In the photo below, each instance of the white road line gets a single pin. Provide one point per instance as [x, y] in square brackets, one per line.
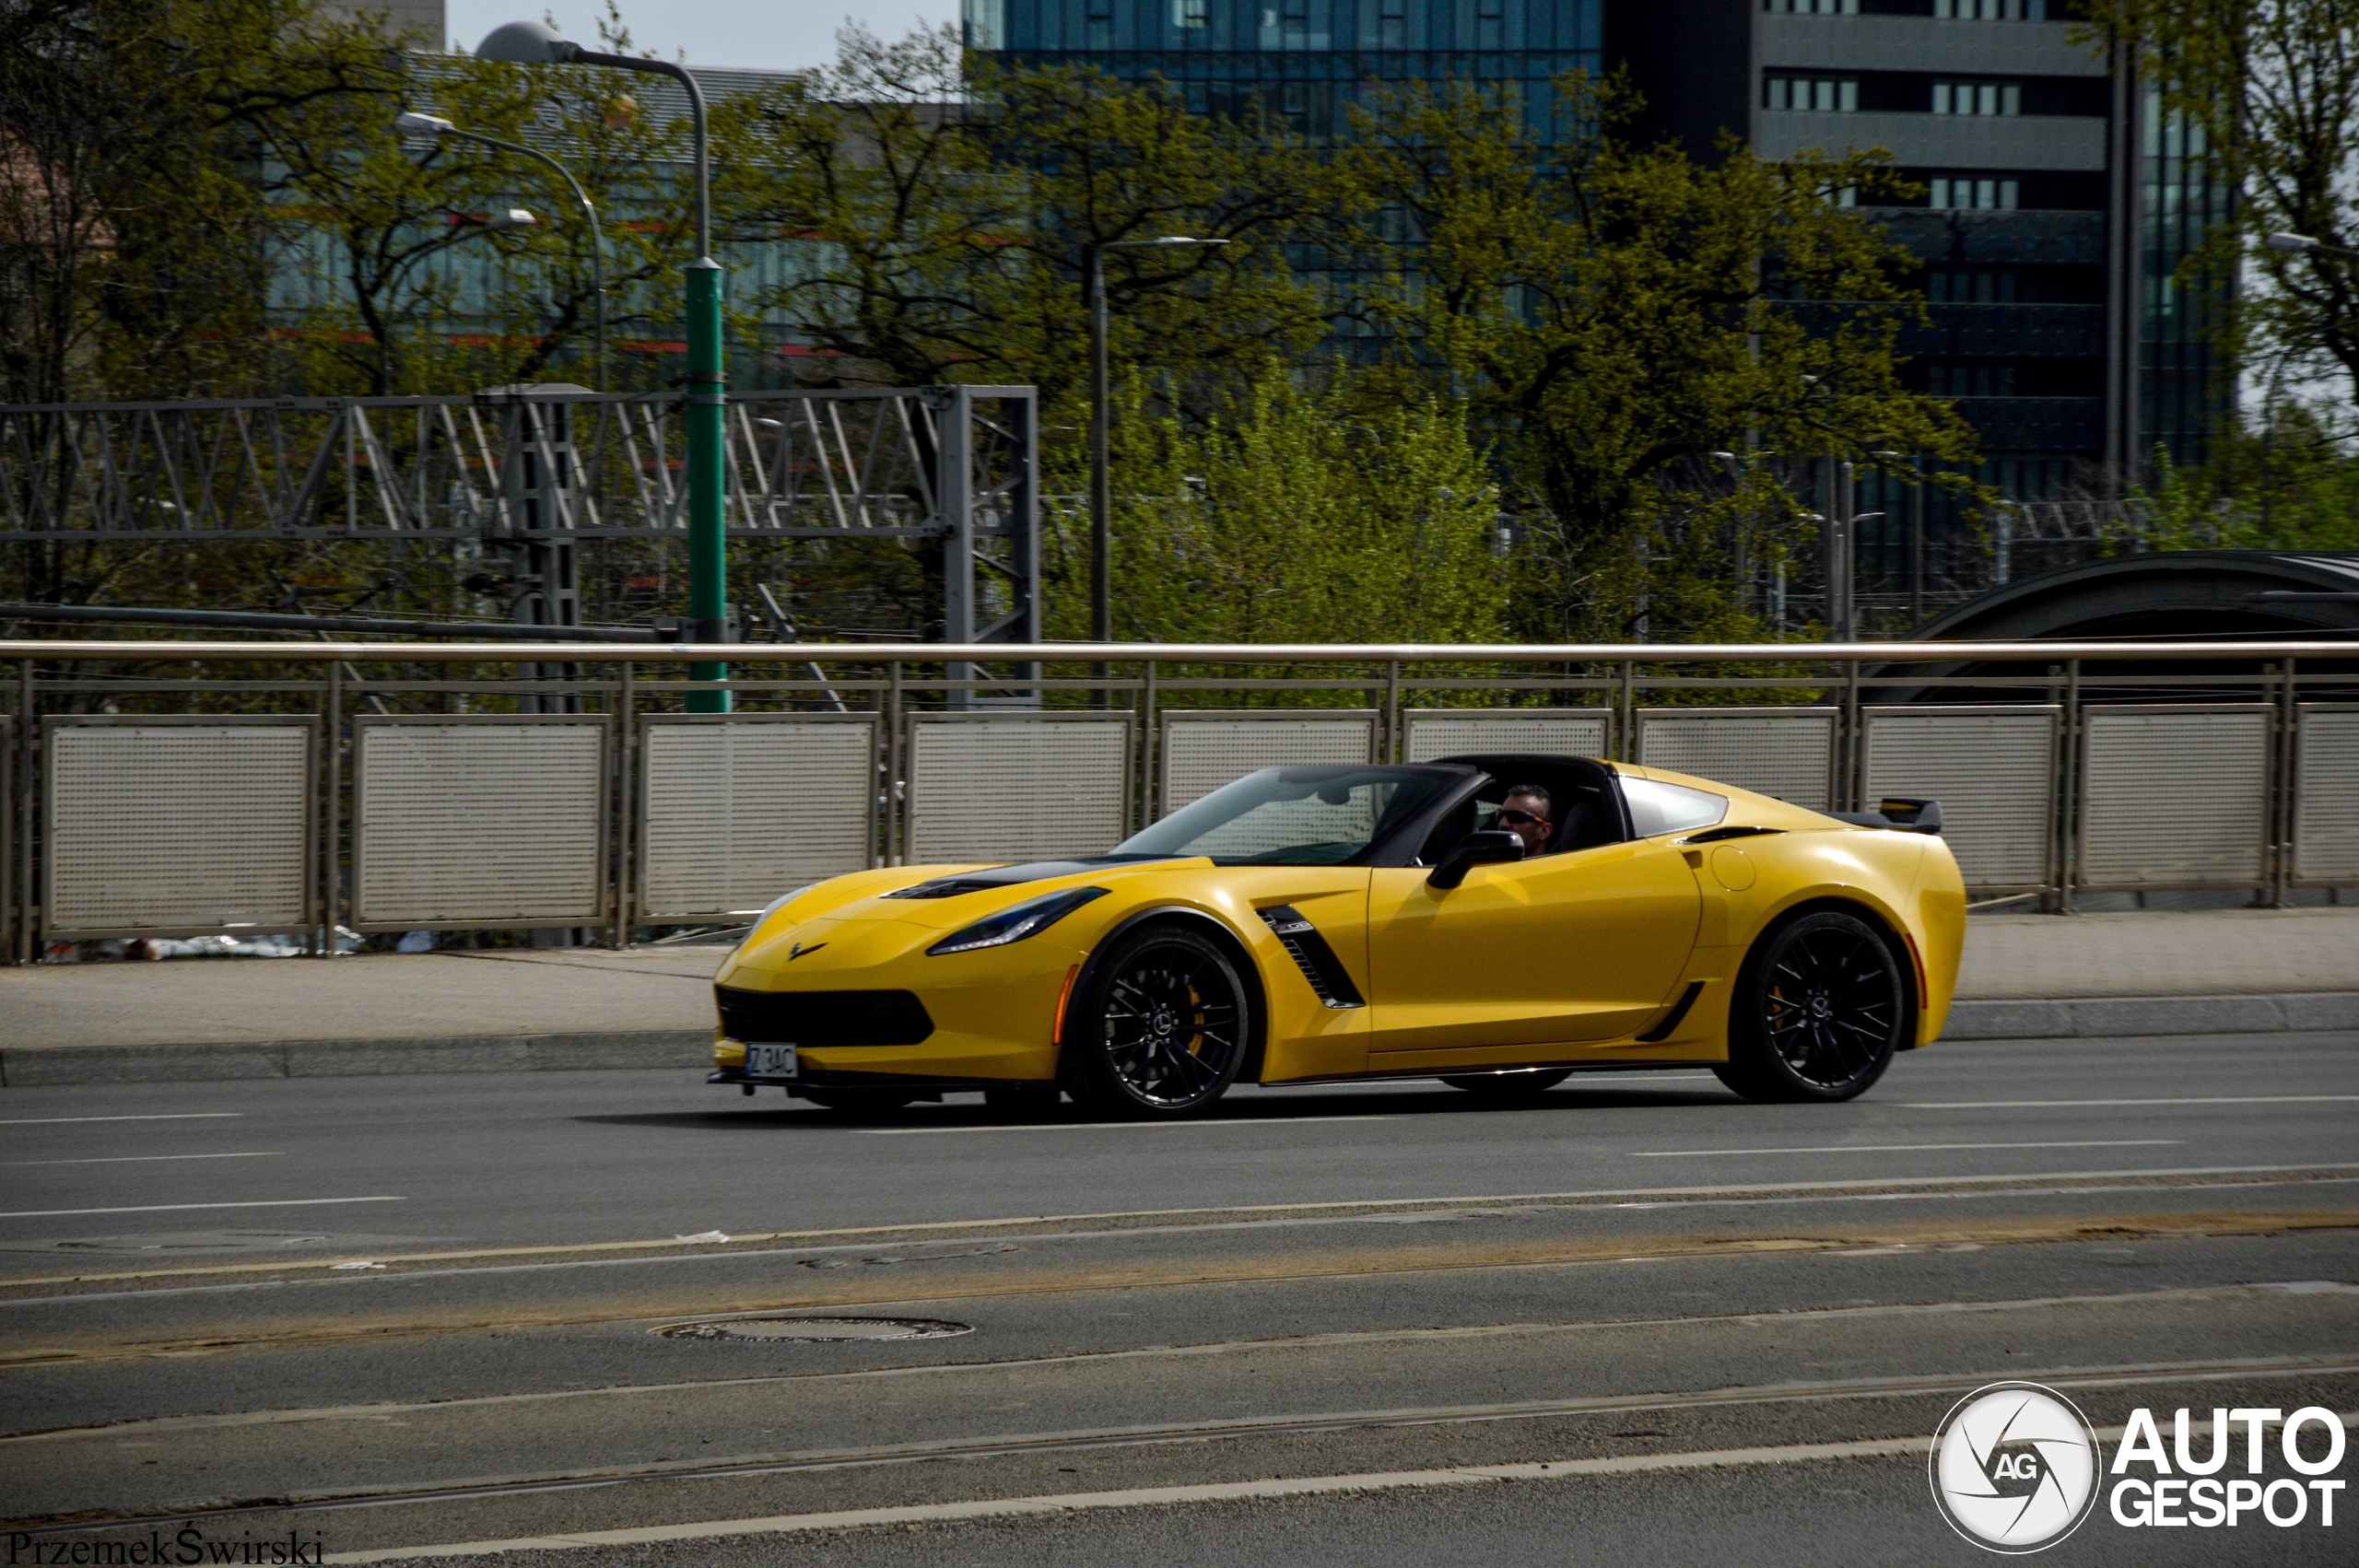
[1904, 1148]
[2041, 1105]
[176, 1115]
[168, 1208]
[1122, 1125]
[1153, 1496]
[145, 1159]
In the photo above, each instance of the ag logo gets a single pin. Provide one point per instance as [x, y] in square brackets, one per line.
[2015, 1467]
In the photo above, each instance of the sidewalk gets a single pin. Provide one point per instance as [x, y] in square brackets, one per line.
[2024, 976]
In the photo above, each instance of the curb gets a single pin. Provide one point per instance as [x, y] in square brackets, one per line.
[355, 1058]
[2083, 1018]
[2114, 1018]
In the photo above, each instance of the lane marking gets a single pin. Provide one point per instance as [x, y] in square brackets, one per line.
[145, 1159]
[176, 1115]
[168, 1207]
[2191, 1100]
[657, 1250]
[1340, 1340]
[1908, 1148]
[1270, 1490]
[1121, 1126]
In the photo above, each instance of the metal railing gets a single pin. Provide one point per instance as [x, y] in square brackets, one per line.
[181, 788]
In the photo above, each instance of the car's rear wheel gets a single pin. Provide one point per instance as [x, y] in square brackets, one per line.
[1819, 1008]
[1160, 1029]
[1509, 1088]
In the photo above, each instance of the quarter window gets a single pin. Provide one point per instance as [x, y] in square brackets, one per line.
[1658, 808]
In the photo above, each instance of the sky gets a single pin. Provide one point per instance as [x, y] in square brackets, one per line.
[777, 34]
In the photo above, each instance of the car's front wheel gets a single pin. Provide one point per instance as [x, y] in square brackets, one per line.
[1160, 1029]
[1819, 1008]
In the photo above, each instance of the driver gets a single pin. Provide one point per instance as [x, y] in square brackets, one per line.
[1525, 813]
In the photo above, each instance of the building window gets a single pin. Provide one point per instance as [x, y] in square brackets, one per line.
[1101, 17]
[1964, 286]
[1978, 98]
[1984, 380]
[1991, 10]
[1394, 24]
[1817, 95]
[1489, 22]
[1190, 16]
[1813, 8]
[1975, 193]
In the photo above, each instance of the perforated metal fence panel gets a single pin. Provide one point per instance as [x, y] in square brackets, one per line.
[168, 827]
[1203, 751]
[2173, 796]
[2325, 785]
[1993, 769]
[1431, 732]
[1004, 787]
[1787, 752]
[735, 810]
[480, 821]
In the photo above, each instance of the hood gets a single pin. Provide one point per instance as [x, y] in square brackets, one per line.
[960, 883]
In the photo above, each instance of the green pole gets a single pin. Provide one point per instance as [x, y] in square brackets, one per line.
[708, 536]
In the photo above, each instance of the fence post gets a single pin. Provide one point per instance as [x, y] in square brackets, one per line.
[1148, 695]
[28, 780]
[1628, 738]
[625, 819]
[1852, 756]
[1392, 747]
[2068, 793]
[892, 762]
[2288, 792]
[330, 817]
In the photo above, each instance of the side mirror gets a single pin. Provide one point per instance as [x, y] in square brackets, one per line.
[1475, 849]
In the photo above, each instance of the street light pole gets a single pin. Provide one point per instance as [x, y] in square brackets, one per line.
[1101, 498]
[435, 126]
[531, 43]
[2303, 245]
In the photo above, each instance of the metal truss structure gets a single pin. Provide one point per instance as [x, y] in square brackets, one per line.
[523, 468]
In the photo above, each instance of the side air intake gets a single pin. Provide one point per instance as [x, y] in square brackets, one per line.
[1329, 979]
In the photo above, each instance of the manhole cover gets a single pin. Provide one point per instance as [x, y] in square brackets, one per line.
[817, 1330]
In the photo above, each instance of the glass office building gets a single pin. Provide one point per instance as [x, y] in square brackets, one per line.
[1304, 59]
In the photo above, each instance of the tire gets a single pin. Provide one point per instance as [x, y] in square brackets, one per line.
[1161, 1028]
[1509, 1088]
[1820, 1007]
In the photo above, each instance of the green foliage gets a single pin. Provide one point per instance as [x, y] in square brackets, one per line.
[2288, 485]
[1608, 312]
[958, 201]
[2268, 90]
[1292, 515]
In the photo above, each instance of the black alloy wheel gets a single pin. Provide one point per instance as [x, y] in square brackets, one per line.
[1512, 1088]
[1818, 1012]
[1161, 1030]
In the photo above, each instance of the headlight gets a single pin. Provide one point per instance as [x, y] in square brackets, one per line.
[1017, 921]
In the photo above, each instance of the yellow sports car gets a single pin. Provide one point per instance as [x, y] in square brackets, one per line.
[1496, 922]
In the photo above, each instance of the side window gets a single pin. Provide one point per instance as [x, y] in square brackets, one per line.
[1658, 808]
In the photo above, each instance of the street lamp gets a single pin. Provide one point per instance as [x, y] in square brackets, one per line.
[531, 43]
[1101, 537]
[2303, 245]
[435, 126]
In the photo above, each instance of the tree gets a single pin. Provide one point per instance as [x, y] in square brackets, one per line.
[1608, 314]
[1294, 515]
[2269, 90]
[954, 203]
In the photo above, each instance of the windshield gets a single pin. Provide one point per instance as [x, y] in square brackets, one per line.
[1291, 816]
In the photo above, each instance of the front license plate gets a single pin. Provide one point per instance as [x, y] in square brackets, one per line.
[770, 1061]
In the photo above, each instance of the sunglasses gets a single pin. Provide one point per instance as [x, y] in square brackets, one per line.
[1519, 817]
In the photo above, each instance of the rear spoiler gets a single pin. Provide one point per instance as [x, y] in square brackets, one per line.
[1898, 812]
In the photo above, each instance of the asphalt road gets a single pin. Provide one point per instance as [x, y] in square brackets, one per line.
[1348, 1324]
